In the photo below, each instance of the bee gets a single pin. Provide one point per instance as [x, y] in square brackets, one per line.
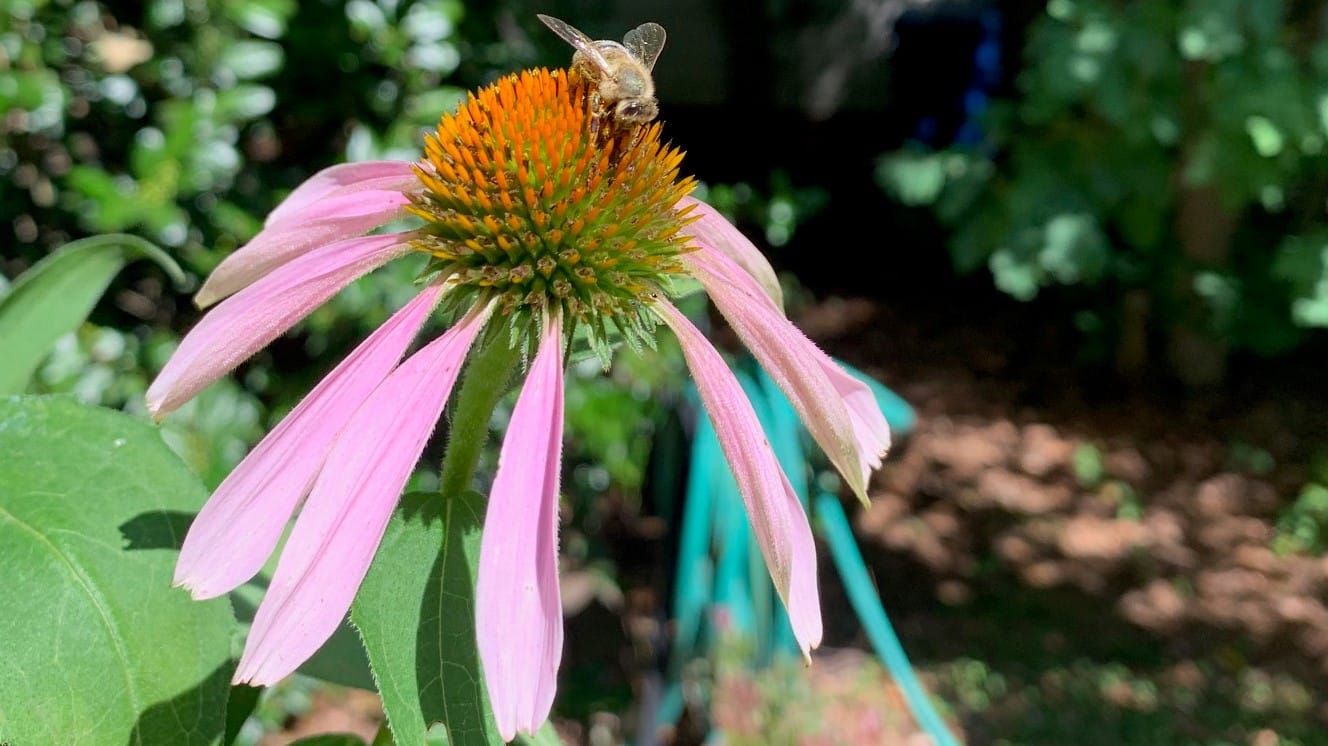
[618, 73]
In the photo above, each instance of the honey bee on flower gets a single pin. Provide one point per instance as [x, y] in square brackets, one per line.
[620, 74]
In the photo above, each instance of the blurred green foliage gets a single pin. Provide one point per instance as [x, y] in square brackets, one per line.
[777, 210]
[1090, 702]
[1302, 525]
[1176, 149]
[185, 120]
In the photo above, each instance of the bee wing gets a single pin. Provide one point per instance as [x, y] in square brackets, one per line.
[579, 41]
[645, 42]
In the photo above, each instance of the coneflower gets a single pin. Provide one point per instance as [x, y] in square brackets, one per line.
[538, 219]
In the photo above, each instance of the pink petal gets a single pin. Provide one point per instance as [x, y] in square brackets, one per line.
[773, 509]
[345, 176]
[343, 520]
[870, 429]
[248, 320]
[336, 217]
[518, 614]
[854, 437]
[242, 522]
[715, 232]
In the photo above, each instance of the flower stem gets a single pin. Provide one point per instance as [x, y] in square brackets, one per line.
[485, 383]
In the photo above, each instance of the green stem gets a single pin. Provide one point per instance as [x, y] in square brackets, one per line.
[485, 383]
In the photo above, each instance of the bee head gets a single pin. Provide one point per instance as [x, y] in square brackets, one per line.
[636, 111]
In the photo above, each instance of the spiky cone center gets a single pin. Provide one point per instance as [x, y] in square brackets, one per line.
[532, 200]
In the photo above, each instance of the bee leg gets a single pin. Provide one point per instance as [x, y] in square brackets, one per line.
[633, 134]
[597, 112]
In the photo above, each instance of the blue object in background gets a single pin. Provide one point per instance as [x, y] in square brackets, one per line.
[949, 101]
[719, 565]
[986, 77]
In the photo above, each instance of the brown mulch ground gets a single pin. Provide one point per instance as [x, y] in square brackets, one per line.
[1045, 516]
[1163, 507]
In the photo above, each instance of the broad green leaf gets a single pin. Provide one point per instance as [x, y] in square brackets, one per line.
[98, 648]
[56, 295]
[416, 615]
[418, 626]
[240, 705]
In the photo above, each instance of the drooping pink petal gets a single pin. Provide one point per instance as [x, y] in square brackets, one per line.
[335, 537]
[336, 217]
[344, 176]
[773, 509]
[854, 436]
[241, 523]
[250, 319]
[518, 610]
[712, 230]
[870, 429]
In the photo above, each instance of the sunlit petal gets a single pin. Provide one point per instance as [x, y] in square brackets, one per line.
[238, 528]
[340, 179]
[327, 221]
[773, 509]
[247, 321]
[343, 520]
[855, 438]
[519, 618]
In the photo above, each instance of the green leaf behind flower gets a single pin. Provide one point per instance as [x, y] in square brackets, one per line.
[56, 295]
[416, 615]
[97, 647]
